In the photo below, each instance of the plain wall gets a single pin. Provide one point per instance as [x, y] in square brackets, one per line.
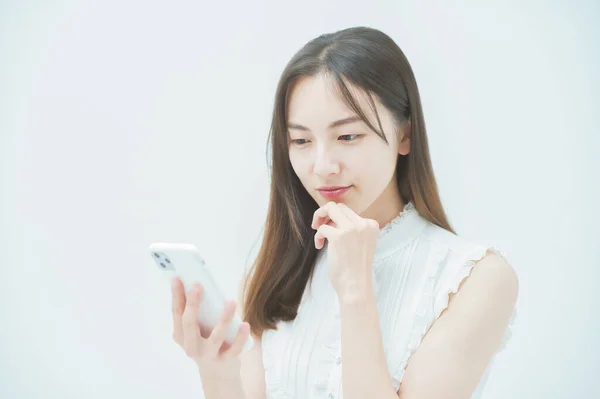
[128, 122]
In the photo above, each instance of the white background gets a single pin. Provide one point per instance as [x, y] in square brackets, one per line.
[124, 123]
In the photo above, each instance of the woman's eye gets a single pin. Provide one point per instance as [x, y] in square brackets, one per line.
[349, 137]
[299, 141]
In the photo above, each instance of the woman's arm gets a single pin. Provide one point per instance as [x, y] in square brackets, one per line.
[364, 368]
[248, 383]
[457, 349]
[252, 368]
[244, 377]
[452, 357]
[253, 372]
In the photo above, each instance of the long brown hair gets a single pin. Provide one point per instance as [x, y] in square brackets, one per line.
[370, 60]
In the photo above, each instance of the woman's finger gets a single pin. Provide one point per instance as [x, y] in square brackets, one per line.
[238, 345]
[220, 331]
[323, 232]
[350, 214]
[177, 306]
[330, 211]
[192, 341]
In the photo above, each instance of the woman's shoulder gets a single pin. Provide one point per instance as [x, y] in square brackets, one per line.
[454, 258]
[442, 239]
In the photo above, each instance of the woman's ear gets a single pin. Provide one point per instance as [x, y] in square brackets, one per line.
[404, 141]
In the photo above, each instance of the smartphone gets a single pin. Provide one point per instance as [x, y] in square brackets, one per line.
[184, 261]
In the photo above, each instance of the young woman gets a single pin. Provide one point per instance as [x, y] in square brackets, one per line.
[361, 287]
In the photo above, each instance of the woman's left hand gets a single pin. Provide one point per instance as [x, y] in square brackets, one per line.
[352, 240]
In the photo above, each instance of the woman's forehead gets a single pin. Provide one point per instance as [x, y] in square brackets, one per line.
[319, 99]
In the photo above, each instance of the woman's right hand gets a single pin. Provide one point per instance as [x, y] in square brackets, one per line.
[207, 348]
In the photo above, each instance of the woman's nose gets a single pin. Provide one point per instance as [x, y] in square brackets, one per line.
[326, 163]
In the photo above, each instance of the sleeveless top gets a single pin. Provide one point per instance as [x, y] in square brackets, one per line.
[416, 266]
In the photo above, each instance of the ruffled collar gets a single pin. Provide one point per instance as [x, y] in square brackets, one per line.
[399, 231]
[406, 210]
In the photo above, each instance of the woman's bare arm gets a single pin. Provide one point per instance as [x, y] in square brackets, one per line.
[252, 368]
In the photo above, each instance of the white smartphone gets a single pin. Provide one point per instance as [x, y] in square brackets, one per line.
[184, 261]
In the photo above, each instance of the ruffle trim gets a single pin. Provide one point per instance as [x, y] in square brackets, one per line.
[465, 271]
[408, 208]
[422, 322]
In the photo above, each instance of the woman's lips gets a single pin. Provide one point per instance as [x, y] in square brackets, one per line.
[331, 193]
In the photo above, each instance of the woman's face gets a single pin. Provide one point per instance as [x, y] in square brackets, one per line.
[331, 146]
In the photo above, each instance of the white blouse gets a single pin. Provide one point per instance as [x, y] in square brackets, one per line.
[416, 265]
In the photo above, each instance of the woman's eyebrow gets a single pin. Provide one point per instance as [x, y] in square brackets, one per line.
[340, 122]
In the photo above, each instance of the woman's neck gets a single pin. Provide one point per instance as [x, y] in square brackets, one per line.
[384, 210]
